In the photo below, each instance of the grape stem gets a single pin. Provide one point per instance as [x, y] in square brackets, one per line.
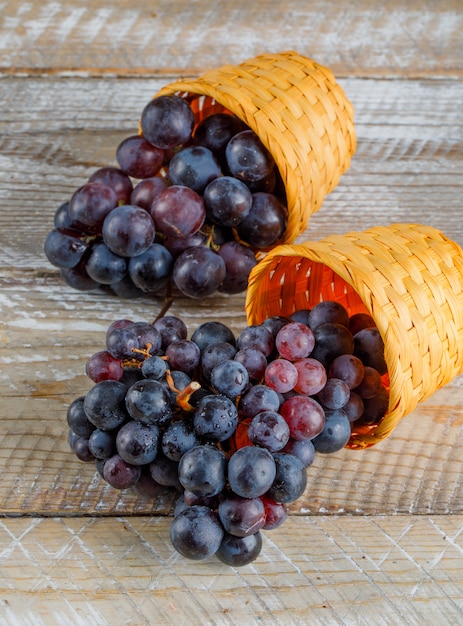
[183, 395]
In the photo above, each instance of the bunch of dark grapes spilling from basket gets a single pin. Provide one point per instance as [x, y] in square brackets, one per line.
[230, 423]
[189, 203]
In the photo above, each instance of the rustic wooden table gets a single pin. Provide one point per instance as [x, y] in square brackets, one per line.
[377, 538]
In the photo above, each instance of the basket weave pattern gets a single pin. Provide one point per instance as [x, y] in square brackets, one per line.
[299, 113]
[408, 277]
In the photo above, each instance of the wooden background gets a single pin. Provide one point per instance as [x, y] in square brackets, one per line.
[377, 538]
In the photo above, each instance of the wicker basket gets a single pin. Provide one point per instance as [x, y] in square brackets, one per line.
[299, 113]
[408, 277]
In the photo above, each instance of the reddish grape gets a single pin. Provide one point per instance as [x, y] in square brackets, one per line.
[146, 190]
[295, 341]
[178, 211]
[91, 203]
[120, 474]
[281, 375]
[103, 366]
[304, 416]
[370, 384]
[311, 376]
[138, 157]
[116, 179]
[275, 513]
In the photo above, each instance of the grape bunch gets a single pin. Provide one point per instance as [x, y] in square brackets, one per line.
[190, 203]
[230, 423]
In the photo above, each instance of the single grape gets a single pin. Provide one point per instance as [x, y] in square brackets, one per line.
[116, 179]
[194, 167]
[227, 201]
[154, 367]
[147, 487]
[331, 340]
[167, 121]
[149, 402]
[335, 434]
[290, 479]
[165, 471]
[177, 245]
[251, 471]
[239, 261]
[104, 404]
[171, 328]
[239, 551]
[257, 399]
[103, 266]
[254, 361]
[230, 378]
[146, 190]
[178, 438]
[376, 407]
[216, 130]
[120, 474]
[103, 366]
[354, 407]
[257, 337]
[348, 368]
[241, 516]
[311, 376]
[148, 339]
[77, 419]
[281, 375]
[62, 220]
[196, 532]
[212, 332]
[304, 416]
[139, 158]
[126, 289]
[77, 277]
[294, 341]
[102, 444]
[335, 394]
[137, 443]
[275, 513]
[178, 211]
[198, 272]
[63, 249]
[303, 449]
[121, 341]
[81, 448]
[269, 430]
[128, 230]
[91, 203]
[369, 348]
[215, 418]
[202, 470]
[359, 321]
[151, 270]
[247, 158]
[183, 355]
[328, 312]
[370, 384]
[265, 223]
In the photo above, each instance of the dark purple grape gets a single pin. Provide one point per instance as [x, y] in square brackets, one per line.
[77, 419]
[178, 438]
[275, 323]
[303, 449]
[126, 289]
[63, 221]
[269, 430]
[215, 418]
[227, 201]
[359, 321]
[230, 378]
[104, 404]
[77, 278]
[149, 402]
[137, 157]
[265, 223]
[102, 444]
[103, 266]
[81, 448]
[375, 408]
[177, 245]
[128, 230]
[335, 434]
[239, 261]
[202, 470]
[348, 368]
[121, 341]
[301, 316]
[331, 340]
[183, 355]
[334, 395]
[239, 551]
[257, 337]
[241, 516]
[63, 249]
[290, 479]
[178, 211]
[354, 407]
[194, 167]
[167, 121]
[369, 348]
[116, 179]
[148, 338]
[172, 328]
[137, 443]
[120, 474]
[91, 203]
[247, 158]
[151, 270]
[254, 361]
[328, 312]
[198, 272]
[146, 190]
[196, 532]
[251, 471]
[147, 487]
[165, 471]
[370, 384]
[259, 398]
[213, 355]
[212, 332]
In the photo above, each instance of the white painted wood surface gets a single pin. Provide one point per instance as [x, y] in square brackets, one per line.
[377, 536]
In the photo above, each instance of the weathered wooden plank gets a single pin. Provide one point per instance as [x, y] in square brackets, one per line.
[324, 570]
[361, 37]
